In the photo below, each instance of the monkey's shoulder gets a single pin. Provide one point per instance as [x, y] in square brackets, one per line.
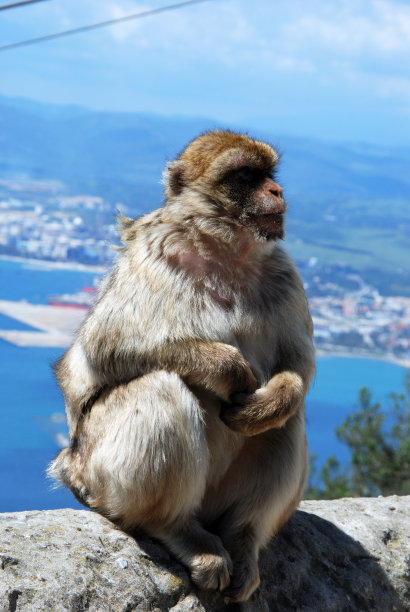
[134, 230]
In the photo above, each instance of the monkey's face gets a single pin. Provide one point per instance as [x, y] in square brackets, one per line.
[256, 200]
[230, 176]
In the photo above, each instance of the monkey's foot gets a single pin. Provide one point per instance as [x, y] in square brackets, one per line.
[244, 414]
[269, 407]
[211, 571]
[244, 582]
[202, 552]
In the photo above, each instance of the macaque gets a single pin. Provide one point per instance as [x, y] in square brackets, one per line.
[185, 385]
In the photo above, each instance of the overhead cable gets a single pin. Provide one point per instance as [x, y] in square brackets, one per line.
[16, 4]
[101, 24]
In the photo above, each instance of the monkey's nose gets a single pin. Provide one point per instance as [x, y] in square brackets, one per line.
[276, 190]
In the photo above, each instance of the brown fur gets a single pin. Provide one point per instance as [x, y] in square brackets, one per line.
[185, 385]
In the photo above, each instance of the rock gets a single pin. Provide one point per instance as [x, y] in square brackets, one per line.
[342, 555]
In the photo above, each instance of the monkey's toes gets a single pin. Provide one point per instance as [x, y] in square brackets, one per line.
[211, 571]
[241, 589]
[239, 399]
[236, 425]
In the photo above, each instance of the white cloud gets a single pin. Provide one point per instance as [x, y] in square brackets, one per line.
[289, 36]
[386, 86]
[372, 27]
[395, 36]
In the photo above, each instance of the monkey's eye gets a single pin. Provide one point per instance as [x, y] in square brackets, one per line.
[246, 174]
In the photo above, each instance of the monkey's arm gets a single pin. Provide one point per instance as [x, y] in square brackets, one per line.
[272, 405]
[211, 365]
[214, 366]
[217, 367]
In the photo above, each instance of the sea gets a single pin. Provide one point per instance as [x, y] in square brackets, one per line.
[32, 411]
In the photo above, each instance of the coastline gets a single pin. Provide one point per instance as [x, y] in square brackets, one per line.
[55, 326]
[46, 264]
[58, 325]
[360, 354]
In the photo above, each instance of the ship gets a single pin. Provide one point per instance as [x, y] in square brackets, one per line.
[83, 299]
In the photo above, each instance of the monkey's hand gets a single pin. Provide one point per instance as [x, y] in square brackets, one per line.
[227, 372]
[269, 407]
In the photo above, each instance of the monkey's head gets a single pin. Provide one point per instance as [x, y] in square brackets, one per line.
[232, 176]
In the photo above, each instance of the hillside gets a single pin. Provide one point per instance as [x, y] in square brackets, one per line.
[347, 202]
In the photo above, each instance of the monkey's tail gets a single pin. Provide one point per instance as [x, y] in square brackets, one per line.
[60, 471]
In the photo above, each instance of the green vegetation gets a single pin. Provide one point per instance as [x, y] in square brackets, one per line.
[370, 235]
[379, 442]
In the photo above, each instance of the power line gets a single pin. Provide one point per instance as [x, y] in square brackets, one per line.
[16, 4]
[101, 24]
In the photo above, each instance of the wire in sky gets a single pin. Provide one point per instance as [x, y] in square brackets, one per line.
[101, 24]
[16, 4]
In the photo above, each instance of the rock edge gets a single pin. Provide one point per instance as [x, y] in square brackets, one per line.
[340, 555]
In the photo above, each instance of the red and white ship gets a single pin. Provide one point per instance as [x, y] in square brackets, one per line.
[83, 299]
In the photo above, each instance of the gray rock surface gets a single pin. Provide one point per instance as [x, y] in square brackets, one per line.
[342, 555]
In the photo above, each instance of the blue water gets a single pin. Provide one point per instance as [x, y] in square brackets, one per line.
[29, 393]
[35, 282]
[334, 393]
[30, 396]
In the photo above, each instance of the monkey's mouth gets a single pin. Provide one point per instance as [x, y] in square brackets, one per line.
[272, 224]
[275, 217]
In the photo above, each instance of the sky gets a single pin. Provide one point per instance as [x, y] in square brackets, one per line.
[330, 69]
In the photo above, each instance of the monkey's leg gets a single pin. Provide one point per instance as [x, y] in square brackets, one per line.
[243, 547]
[141, 458]
[256, 496]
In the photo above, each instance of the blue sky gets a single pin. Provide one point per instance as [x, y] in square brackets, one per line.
[331, 69]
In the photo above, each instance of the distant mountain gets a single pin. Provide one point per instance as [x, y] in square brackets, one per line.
[116, 156]
[347, 202]
[120, 156]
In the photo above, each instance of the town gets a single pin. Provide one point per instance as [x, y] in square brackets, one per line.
[38, 221]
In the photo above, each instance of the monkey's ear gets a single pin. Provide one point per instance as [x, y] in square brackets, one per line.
[174, 179]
